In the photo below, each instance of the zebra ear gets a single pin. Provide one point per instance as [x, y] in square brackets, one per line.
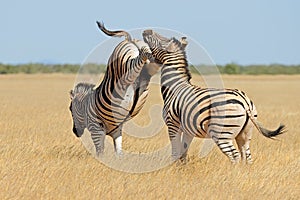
[172, 47]
[72, 94]
[183, 42]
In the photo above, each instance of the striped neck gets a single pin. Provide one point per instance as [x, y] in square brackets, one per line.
[175, 70]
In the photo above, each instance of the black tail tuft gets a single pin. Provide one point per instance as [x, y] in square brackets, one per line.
[101, 25]
[271, 134]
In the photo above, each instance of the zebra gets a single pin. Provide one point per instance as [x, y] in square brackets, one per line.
[120, 96]
[190, 111]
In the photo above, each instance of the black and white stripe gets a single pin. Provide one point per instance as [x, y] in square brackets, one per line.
[189, 111]
[120, 96]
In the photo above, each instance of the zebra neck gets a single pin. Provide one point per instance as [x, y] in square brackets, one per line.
[172, 81]
[172, 75]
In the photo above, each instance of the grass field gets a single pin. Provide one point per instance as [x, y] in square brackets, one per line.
[41, 158]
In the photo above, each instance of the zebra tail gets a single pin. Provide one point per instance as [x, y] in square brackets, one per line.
[119, 33]
[267, 133]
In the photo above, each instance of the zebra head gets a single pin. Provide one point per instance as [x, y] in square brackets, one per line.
[169, 52]
[162, 46]
[78, 105]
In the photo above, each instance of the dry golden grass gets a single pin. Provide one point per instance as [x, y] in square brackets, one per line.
[41, 158]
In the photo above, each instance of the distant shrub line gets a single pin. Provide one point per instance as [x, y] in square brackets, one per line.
[232, 68]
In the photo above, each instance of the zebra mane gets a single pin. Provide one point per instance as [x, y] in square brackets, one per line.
[181, 47]
[118, 33]
[81, 90]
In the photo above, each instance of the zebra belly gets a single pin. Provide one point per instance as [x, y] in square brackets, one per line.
[114, 116]
[127, 101]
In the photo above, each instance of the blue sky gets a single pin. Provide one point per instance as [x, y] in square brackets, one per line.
[255, 32]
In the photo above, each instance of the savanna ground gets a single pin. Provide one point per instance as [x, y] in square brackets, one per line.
[41, 158]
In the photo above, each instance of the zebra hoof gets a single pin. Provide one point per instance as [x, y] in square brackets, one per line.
[184, 160]
[175, 159]
[99, 153]
[119, 154]
[249, 162]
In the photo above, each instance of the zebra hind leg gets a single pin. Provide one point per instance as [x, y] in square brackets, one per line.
[227, 147]
[243, 142]
[117, 138]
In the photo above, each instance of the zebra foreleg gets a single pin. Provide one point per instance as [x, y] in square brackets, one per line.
[98, 139]
[175, 138]
[185, 144]
[98, 136]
